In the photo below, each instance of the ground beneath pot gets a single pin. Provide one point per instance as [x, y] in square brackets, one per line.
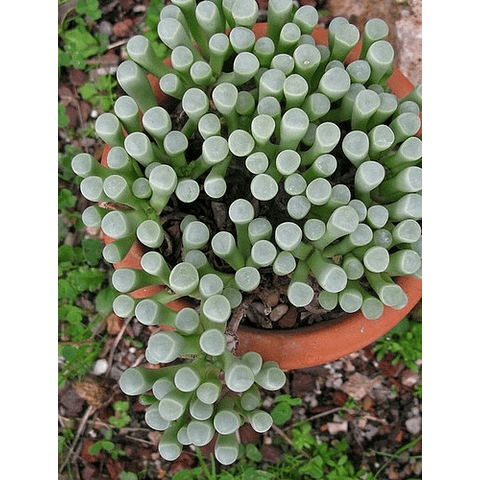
[373, 404]
[370, 403]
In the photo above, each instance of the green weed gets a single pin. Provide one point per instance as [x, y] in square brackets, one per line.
[81, 274]
[77, 42]
[418, 391]
[107, 445]
[88, 8]
[65, 172]
[121, 418]
[405, 341]
[128, 476]
[63, 119]
[282, 412]
[350, 404]
[392, 456]
[101, 93]
[308, 459]
[64, 440]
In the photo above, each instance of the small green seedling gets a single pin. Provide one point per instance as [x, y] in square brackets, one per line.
[282, 412]
[121, 417]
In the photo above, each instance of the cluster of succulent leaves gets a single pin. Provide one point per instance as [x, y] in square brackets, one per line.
[317, 163]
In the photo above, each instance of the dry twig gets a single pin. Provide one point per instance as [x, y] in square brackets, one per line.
[90, 411]
[318, 415]
[285, 437]
[115, 345]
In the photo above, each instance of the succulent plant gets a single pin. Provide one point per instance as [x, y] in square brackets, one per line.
[318, 166]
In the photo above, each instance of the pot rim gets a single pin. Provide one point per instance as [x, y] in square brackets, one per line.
[328, 341]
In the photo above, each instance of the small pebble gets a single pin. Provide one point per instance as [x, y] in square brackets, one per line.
[337, 383]
[289, 319]
[348, 366]
[337, 427]
[311, 400]
[414, 425]
[417, 468]
[370, 431]
[105, 27]
[272, 298]
[278, 312]
[115, 373]
[409, 378]
[259, 307]
[362, 422]
[100, 367]
[338, 365]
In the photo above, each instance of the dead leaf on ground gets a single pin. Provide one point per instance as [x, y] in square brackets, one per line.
[114, 323]
[358, 386]
[91, 391]
[77, 77]
[72, 402]
[66, 95]
[88, 457]
[114, 468]
[89, 472]
[123, 28]
[183, 462]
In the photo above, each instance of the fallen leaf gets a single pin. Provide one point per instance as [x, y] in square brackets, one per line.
[89, 473]
[110, 59]
[368, 404]
[183, 462]
[126, 4]
[114, 323]
[72, 113]
[91, 391]
[358, 386]
[88, 457]
[302, 383]
[85, 110]
[339, 398]
[65, 94]
[77, 77]
[271, 454]
[249, 435]
[289, 319]
[72, 402]
[123, 28]
[114, 468]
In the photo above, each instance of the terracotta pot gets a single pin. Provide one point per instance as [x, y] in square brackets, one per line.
[328, 341]
[316, 344]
